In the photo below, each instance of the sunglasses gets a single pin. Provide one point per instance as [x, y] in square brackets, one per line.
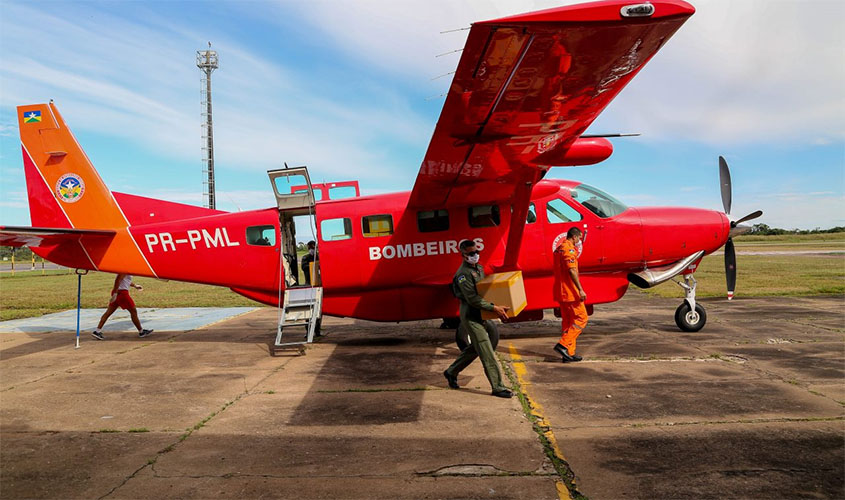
[473, 253]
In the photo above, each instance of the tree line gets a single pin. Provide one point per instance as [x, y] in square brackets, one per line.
[764, 229]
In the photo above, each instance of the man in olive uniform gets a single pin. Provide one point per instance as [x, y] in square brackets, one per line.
[465, 280]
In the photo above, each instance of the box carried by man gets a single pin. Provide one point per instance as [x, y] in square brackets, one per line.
[503, 289]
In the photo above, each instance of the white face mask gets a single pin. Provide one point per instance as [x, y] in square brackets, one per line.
[311, 251]
[472, 259]
[579, 247]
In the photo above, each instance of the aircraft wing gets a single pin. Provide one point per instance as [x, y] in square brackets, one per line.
[525, 90]
[19, 236]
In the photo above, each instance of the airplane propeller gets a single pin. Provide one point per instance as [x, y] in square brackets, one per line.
[736, 229]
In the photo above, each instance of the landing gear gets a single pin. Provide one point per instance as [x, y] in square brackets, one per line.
[689, 316]
[463, 340]
[689, 320]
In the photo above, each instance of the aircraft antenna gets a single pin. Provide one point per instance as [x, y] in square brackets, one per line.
[207, 62]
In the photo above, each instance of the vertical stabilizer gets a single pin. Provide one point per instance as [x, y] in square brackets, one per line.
[65, 190]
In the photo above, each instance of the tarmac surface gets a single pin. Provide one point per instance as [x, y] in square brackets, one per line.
[751, 407]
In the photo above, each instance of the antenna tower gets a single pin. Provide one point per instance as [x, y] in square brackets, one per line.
[207, 62]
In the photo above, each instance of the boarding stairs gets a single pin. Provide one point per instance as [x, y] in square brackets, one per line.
[300, 309]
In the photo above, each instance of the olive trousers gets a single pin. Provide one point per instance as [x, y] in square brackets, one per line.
[480, 347]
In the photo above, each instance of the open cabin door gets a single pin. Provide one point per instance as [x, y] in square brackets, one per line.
[303, 297]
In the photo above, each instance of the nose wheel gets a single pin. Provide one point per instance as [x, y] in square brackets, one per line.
[689, 316]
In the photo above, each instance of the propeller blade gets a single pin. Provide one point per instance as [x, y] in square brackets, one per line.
[752, 215]
[725, 182]
[730, 267]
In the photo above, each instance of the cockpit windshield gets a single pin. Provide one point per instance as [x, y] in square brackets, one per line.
[597, 201]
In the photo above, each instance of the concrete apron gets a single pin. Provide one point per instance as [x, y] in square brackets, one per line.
[750, 407]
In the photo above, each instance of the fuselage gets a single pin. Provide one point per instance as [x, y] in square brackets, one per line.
[381, 261]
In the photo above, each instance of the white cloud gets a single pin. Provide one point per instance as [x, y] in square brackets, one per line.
[743, 72]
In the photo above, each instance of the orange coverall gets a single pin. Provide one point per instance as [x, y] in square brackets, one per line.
[573, 312]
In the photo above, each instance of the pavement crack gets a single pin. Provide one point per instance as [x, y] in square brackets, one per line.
[479, 470]
[190, 430]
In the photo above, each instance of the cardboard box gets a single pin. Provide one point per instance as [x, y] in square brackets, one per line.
[503, 289]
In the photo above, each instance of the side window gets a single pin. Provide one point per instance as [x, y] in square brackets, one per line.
[429, 221]
[558, 211]
[484, 216]
[264, 236]
[377, 225]
[335, 229]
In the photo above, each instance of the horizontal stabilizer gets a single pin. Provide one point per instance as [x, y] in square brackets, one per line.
[19, 236]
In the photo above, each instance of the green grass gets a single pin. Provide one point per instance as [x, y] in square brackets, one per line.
[765, 275]
[26, 295]
[791, 238]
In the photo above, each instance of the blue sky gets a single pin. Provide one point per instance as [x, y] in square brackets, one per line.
[346, 88]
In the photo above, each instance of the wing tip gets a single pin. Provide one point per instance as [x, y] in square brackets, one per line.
[601, 11]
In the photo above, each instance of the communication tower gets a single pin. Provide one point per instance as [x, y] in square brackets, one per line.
[207, 62]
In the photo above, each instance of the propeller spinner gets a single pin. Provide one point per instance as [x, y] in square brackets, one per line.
[736, 229]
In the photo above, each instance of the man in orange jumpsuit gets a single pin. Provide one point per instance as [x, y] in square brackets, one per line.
[569, 293]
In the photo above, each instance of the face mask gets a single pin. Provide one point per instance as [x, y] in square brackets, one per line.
[472, 259]
[579, 247]
[311, 251]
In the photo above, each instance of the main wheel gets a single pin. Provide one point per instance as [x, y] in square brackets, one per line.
[689, 320]
[463, 340]
[450, 323]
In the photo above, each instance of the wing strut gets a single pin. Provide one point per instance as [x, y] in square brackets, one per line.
[521, 200]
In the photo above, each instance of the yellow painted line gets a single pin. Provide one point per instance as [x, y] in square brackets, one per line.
[537, 410]
[562, 492]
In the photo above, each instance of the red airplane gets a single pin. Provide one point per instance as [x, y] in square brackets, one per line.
[525, 90]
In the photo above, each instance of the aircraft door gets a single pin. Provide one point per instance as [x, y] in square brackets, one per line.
[284, 180]
[297, 210]
[560, 216]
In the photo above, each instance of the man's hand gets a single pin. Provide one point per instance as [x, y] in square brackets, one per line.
[583, 296]
[113, 297]
[501, 311]
[139, 287]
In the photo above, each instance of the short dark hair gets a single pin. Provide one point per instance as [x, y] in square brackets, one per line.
[573, 232]
[312, 243]
[466, 244]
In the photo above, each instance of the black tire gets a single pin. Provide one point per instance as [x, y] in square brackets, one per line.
[450, 323]
[462, 337]
[690, 322]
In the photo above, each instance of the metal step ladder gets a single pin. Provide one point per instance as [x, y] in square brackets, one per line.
[302, 307]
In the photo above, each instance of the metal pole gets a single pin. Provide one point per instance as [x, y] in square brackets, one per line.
[78, 305]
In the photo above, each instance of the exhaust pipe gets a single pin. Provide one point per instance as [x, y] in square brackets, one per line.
[648, 278]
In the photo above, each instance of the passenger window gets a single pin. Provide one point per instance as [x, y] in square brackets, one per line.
[429, 221]
[484, 216]
[341, 192]
[377, 225]
[335, 229]
[264, 236]
[558, 211]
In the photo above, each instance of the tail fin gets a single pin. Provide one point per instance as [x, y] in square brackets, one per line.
[63, 186]
[65, 191]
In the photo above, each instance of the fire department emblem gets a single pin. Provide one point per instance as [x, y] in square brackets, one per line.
[70, 188]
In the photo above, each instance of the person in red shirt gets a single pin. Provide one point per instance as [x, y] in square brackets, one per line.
[570, 295]
[120, 298]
